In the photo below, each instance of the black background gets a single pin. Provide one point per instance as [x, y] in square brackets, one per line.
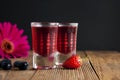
[99, 20]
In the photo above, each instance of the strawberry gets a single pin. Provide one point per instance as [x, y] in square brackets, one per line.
[73, 62]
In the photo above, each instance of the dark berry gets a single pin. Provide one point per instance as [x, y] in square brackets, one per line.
[6, 60]
[6, 64]
[17, 63]
[21, 65]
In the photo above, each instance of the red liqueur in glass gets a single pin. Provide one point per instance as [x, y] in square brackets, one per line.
[66, 41]
[44, 42]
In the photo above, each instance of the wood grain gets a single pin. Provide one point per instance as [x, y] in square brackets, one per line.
[83, 73]
[3, 74]
[59, 74]
[20, 75]
[16, 74]
[88, 72]
[106, 64]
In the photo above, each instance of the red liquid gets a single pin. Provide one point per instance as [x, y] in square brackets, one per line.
[66, 42]
[44, 40]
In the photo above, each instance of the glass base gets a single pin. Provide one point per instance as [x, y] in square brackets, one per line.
[61, 58]
[40, 62]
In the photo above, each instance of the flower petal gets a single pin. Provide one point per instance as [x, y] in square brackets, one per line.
[1, 54]
[15, 36]
[1, 31]
[19, 33]
[8, 29]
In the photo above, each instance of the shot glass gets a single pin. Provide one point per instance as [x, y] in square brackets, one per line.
[44, 44]
[66, 41]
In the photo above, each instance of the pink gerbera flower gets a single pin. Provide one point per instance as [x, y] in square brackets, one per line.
[12, 42]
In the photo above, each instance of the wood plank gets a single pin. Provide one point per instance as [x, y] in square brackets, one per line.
[106, 64]
[88, 72]
[83, 73]
[20, 75]
[16, 74]
[59, 74]
[3, 74]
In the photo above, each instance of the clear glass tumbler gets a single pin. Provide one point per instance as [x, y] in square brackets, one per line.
[44, 44]
[66, 41]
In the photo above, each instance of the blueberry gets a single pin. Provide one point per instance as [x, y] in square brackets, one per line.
[21, 65]
[6, 64]
[6, 60]
[17, 63]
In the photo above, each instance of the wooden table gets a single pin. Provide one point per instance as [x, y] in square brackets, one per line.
[97, 65]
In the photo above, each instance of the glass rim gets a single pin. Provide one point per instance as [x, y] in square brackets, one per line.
[46, 24]
[68, 24]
